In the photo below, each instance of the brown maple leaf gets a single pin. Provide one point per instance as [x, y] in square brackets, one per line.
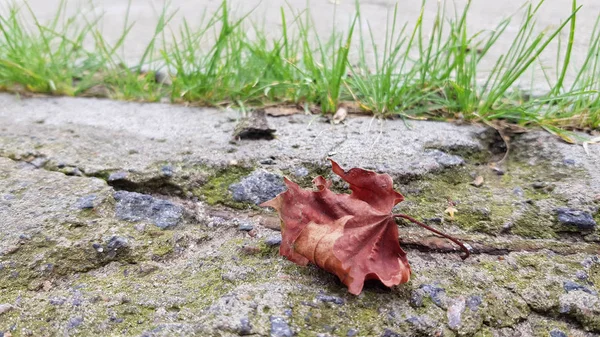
[353, 236]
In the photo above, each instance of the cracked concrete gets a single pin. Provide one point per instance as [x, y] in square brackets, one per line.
[72, 263]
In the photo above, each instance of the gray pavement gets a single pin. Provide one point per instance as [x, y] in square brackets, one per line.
[119, 218]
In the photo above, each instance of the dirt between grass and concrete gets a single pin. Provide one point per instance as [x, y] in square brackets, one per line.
[141, 220]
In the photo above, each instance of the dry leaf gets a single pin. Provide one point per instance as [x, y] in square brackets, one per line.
[254, 127]
[340, 115]
[353, 236]
[354, 107]
[278, 111]
[450, 211]
[478, 181]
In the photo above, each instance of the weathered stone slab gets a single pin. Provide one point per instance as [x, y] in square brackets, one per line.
[82, 193]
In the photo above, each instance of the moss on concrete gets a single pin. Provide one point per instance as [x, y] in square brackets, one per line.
[216, 189]
[507, 203]
[532, 223]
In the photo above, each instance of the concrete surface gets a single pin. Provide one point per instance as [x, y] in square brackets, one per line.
[82, 252]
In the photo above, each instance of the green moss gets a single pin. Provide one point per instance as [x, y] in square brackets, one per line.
[594, 274]
[558, 265]
[360, 313]
[469, 153]
[493, 207]
[216, 189]
[543, 327]
[534, 224]
[162, 244]
[504, 311]
[484, 332]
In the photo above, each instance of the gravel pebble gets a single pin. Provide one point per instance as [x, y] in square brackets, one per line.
[132, 206]
[330, 299]
[5, 307]
[115, 245]
[245, 327]
[74, 322]
[455, 310]
[352, 332]
[389, 333]
[582, 275]
[245, 226]
[572, 286]
[279, 327]
[166, 171]
[557, 333]
[432, 291]
[473, 302]
[445, 159]
[274, 240]
[258, 187]
[300, 172]
[86, 202]
[120, 175]
[572, 217]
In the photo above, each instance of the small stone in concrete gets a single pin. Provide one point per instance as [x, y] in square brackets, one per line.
[446, 160]
[116, 243]
[132, 206]
[274, 240]
[39, 162]
[557, 333]
[98, 247]
[254, 126]
[432, 291]
[389, 333]
[258, 187]
[572, 217]
[572, 286]
[267, 161]
[73, 171]
[74, 322]
[245, 327]
[330, 299]
[86, 202]
[518, 191]
[582, 306]
[455, 310]
[582, 275]
[245, 226]
[166, 171]
[5, 307]
[120, 175]
[279, 327]
[352, 332]
[300, 172]
[57, 300]
[589, 261]
[473, 302]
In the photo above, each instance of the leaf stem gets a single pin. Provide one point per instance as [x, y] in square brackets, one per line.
[453, 239]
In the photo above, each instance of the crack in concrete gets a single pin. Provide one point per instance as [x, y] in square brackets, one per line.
[159, 185]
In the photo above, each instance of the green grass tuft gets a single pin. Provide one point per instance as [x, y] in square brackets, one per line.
[419, 72]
